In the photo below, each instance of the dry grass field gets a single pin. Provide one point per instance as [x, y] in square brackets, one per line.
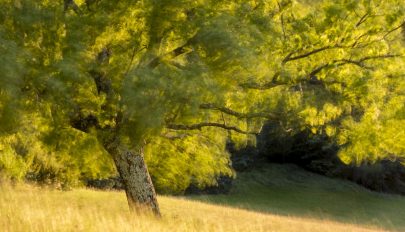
[277, 198]
[27, 208]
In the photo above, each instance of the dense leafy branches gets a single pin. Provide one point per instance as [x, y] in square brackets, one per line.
[147, 72]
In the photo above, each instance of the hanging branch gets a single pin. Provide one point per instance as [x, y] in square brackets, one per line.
[334, 63]
[359, 63]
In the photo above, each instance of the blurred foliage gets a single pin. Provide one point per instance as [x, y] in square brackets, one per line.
[333, 67]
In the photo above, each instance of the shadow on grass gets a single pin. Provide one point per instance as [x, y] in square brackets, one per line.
[289, 190]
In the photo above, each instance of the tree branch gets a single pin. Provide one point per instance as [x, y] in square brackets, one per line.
[199, 126]
[265, 86]
[356, 44]
[174, 137]
[340, 62]
[71, 4]
[174, 53]
[271, 84]
[379, 57]
[362, 19]
[103, 83]
[211, 106]
[282, 20]
[134, 52]
[289, 57]
[359, 62]
[394, 29]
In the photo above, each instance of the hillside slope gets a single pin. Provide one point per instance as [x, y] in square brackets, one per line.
[290, 190]
[276, 198]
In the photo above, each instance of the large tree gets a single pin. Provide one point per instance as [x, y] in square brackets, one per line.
[125, 73]
[129, 74]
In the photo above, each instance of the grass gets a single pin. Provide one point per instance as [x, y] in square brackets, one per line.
[289, 190]
[285, 199]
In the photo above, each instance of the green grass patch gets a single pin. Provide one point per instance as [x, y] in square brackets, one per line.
[289, 190]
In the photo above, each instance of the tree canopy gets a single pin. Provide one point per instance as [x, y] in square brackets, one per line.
[180, 78]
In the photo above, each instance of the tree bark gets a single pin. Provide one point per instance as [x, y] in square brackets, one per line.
[138, 184]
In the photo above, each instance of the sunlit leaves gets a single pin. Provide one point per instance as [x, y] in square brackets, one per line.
[333, 67]
[175, 166]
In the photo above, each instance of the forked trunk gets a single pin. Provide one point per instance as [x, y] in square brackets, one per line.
[139, 188]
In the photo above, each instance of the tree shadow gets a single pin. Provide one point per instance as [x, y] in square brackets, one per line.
[289, 190]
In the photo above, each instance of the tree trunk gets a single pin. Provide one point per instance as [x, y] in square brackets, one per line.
[139, 188]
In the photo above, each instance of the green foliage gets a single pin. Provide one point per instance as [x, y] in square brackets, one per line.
[340, 69]
[64, 157]
[197, 159]
[12, 165]
[136, 70]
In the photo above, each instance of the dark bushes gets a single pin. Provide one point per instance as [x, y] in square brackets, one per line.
[318, 153]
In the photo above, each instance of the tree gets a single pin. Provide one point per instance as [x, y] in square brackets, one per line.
[120, 72]
[130, 73]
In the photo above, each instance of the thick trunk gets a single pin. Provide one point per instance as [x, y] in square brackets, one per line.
[139, 188]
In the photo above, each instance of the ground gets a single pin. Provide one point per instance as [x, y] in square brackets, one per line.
[291, 191]
[275, 198]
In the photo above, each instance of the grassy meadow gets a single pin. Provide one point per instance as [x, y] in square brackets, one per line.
[291, 191]
[289, 199]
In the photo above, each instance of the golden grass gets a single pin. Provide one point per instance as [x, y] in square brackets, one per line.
[28, 208]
